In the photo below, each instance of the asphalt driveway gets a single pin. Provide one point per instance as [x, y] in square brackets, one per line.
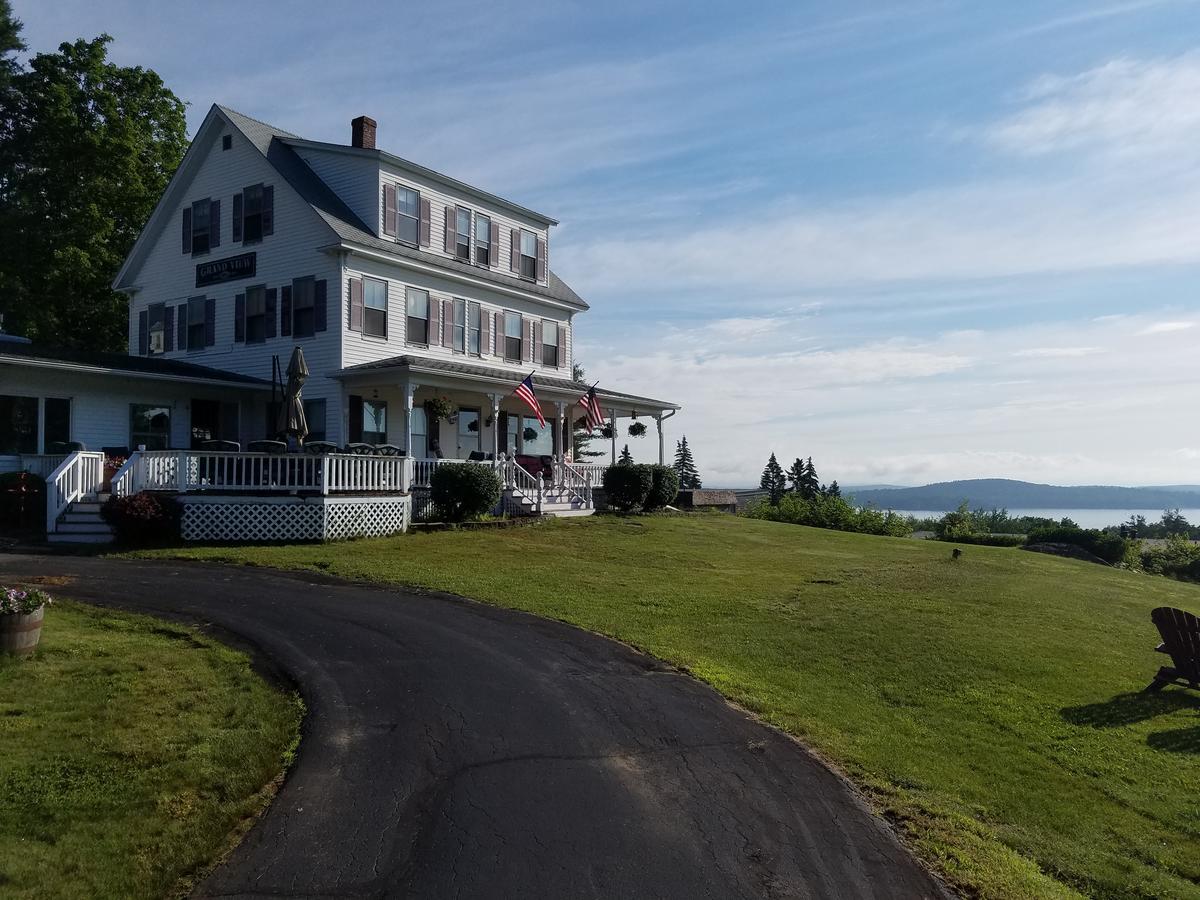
[457, 750]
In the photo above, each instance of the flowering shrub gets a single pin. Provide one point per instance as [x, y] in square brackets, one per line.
[14, 601]
[144, 518]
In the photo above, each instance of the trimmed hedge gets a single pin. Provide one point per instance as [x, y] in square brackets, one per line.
[987, 540]
[464, 491]
[664, 488]
[627, 487]
[1109, 547]
[144, 519]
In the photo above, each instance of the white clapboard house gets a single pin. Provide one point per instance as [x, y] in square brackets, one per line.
[402, 286]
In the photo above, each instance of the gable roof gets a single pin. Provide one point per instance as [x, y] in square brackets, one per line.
[96, 362]
[345, 227]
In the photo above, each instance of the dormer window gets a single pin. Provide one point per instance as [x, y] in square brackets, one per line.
[528, 254]
[483, 240]
[408, 215]
[462, 243]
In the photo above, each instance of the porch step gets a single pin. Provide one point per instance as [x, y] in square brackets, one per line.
[69, 537]
[567, 512]
[90, 507]
[83, 527]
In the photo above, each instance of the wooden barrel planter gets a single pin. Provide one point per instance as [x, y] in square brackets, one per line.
[20, 632]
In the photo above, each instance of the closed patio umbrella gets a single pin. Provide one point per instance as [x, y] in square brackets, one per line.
[291, 411]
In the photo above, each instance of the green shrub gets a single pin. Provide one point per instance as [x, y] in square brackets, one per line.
[1107, 546]
[1176, 558]
[22, 501]
[664, 487]
[988, 540]
[627, 487]
[144, 519]
[830, 512]
[464, 491]
[957, 525]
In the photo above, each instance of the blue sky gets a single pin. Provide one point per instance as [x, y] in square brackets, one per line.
[915, 241]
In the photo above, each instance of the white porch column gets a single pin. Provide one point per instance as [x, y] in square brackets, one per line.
[612, 421]
[495, 426]
[662, 460]
[560, 451]
[409, 390]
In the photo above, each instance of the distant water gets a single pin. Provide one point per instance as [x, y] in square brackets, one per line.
[1085, 518]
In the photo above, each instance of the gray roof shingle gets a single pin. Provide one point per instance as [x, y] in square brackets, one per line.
[348, 227]
[120, 362]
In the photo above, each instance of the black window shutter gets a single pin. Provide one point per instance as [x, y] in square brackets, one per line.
[239, 318]
[187, 229]
[181, 322]
[269, 306]
[268, 209]
[285, 310]
[356, 418]
[319, 306]
[214, 223]
[144, 333]
[168, 329]
[237, 216]
[210, 321]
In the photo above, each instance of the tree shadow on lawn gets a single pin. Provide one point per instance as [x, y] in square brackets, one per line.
[1129, 709]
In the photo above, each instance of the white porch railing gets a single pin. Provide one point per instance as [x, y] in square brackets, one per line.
[126, 481]
[79, 475]
[573, 486]
[202, 470]
[39, 464]
[423, 469]
[596, 470]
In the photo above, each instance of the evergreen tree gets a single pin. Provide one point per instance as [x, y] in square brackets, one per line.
[10, 44]
[810, 485]
[685, 466]
[833, 490]
[625, 458]
[773, 480]
[795, 475]
[86, 150]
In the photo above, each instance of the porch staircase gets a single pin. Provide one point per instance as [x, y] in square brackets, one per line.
[560, 504]
[81, 523]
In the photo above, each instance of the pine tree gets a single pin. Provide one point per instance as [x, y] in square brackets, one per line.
[795, 474]
[625, 458]
[685, 466]
[810, 485]
[773, 480]
[833, 490]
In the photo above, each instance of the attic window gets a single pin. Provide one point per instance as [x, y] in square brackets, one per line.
[226, 141]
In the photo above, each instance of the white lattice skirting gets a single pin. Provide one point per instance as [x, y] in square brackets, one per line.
[254, 519]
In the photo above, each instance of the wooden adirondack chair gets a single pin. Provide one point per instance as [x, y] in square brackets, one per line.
[1181, 641]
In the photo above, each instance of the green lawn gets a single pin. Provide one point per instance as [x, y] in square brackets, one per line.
[132, 752]
[988, 705]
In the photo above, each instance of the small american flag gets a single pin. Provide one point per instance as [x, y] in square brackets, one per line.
[591, 408]
[525, 392]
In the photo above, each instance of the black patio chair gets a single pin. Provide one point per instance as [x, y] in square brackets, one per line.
[221, 446]
[1180, 633]
[320, 448]
[358, 448]
[267, 447]
[388, 450]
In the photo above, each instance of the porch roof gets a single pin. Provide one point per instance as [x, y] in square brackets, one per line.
[119, 364]
[418, 365]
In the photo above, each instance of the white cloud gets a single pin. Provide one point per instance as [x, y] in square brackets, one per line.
[1166, 327]
[1058, 352]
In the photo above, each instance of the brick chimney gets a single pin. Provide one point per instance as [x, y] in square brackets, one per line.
[362, 132]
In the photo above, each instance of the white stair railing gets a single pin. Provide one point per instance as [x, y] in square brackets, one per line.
[572, 486]
[79, 475]
[128, 479]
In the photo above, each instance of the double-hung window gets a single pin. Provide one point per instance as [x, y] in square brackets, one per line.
[375, 307]
[149, 426]
[474, 331]
[252, 214]
[512, 336]
[157, 319]
[256, 314]
[418, 316]
[408, 215]
[201, 225]
[196, 324]
[528, 254]
[18, 424]
[460, 325]
[462, 241]
[303, 307]
[483, 240]
[549, 343]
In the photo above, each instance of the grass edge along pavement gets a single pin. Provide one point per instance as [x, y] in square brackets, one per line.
[989, 706]
[137, 752]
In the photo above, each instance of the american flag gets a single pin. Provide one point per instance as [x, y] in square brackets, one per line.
[525, 392]
[591, 407]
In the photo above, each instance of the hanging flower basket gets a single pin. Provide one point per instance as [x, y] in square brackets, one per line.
[530, 434]
[473, 425]
[606, 431]
[21, 614]
[637, 429]
[441, 408]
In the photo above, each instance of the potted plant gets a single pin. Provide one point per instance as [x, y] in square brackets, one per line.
[112, 465]
[637, 429]
[21, 613]
[440, 408]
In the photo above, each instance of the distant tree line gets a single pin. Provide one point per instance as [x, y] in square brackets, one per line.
[798, 497]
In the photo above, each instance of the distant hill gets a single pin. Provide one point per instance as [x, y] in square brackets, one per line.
[1004, 492]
